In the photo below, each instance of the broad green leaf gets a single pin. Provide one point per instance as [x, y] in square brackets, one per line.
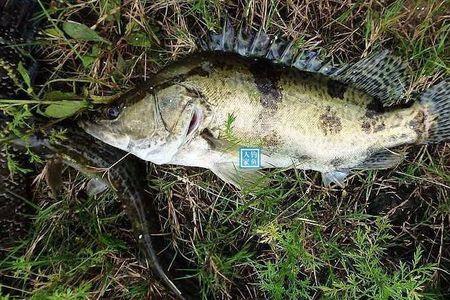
[24, 73]
[87, 61]
[64, 108]
[81, 32]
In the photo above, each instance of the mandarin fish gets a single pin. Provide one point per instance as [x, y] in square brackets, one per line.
[251, 91]
[297, 110]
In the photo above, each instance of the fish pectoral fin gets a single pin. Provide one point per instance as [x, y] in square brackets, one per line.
[53, 175]
[239, 177]
[336, 177]
[381, 75]
[381, 160]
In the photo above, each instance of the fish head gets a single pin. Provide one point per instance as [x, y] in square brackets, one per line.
[152, 125]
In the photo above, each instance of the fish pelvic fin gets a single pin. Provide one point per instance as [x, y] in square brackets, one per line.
[244, 179]
[337, 177]
[436, 103]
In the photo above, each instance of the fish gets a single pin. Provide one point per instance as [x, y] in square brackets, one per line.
[295, 110]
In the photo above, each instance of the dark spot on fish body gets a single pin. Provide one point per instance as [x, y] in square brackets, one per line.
[374, 108]
[303, 157]
[330, 123]
[266, 77]
[418, 123]
[379, 127]
[403, 136]
[336, 89]
[272, 139]
[373, 125]
[366, 126]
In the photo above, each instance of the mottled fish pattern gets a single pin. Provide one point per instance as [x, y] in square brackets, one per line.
[301, 111]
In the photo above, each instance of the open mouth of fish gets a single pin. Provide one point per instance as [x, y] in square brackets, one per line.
[196, 119]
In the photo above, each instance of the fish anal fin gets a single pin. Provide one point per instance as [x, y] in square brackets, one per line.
[381, 160]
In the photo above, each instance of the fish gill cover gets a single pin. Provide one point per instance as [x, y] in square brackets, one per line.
[382, 236]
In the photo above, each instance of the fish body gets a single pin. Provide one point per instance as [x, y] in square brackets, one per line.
[202, 110]
[297, 118]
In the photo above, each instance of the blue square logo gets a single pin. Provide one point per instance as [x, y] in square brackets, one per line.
[249, 158]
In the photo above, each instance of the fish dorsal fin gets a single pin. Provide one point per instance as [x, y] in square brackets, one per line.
[381, 160]
[259, 44]
[224, 41]
[380, 75]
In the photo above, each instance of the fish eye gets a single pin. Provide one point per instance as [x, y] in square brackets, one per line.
[112, 112]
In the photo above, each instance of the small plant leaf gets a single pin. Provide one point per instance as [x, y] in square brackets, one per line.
[24, 73]
[105, 99]
[82, 32]
[58, 95]
[138, 39]
[64, 108]
[54, 32]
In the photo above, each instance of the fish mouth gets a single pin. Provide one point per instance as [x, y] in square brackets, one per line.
[194, 124]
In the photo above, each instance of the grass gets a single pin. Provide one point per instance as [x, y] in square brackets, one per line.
[385, 236]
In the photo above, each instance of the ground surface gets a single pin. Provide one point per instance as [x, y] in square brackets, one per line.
[385, 236]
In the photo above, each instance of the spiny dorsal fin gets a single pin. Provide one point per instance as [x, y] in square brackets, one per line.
[380, 75]
[259, 44]
[223, 41]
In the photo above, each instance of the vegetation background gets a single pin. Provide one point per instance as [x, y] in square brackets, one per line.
[385, 236]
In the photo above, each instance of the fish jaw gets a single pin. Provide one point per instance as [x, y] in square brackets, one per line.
[143, 148]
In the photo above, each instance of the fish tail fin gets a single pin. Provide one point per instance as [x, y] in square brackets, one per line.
[436, 101]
